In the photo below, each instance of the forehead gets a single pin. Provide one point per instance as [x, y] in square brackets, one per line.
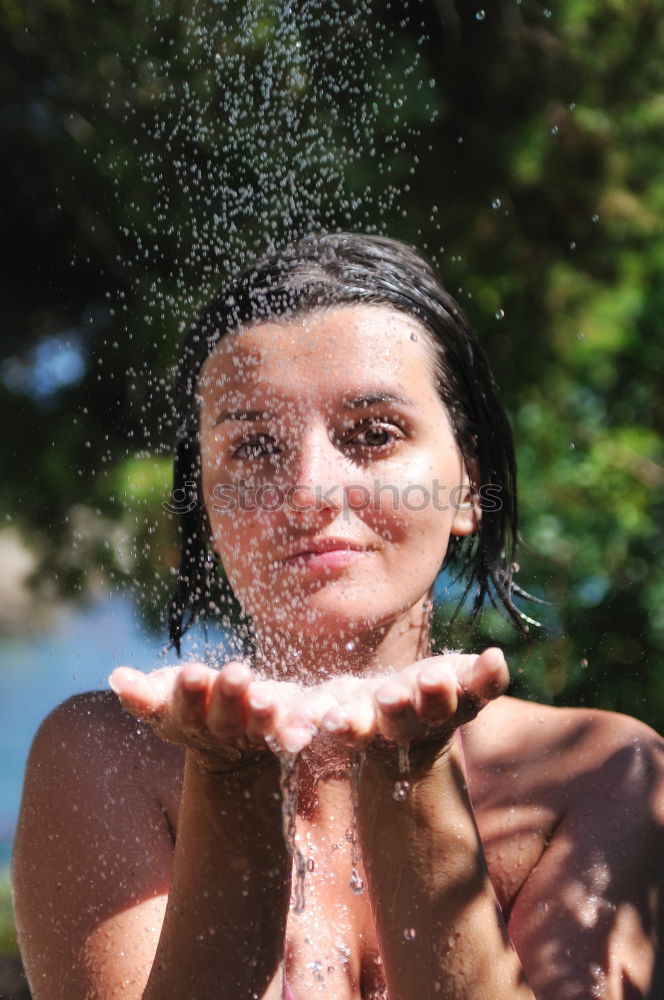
[322, 353]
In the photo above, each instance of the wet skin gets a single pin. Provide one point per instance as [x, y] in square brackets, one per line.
[567, 806]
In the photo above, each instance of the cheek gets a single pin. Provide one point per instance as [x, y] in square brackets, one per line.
[414, 501]
[246, 530]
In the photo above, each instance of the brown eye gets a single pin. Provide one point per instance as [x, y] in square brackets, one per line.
[255, 447]
[375, 435]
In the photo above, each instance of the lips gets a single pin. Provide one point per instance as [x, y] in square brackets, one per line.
[325, 553]
[317, 546]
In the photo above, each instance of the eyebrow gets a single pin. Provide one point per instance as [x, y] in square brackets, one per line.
[364, 401]
[241, 415]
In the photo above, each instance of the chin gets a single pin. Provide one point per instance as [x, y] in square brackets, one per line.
[327, 619]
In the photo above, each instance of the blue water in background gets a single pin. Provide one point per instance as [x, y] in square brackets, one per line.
[40, 670]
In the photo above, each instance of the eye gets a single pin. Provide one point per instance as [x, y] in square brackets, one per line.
[256, 446]
[375, 434]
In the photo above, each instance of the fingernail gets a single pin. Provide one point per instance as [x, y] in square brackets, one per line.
[233, 685]
[296, 742]
[113, 686]
[495, 657]
[430, 678]
[193, 679]
[336, 725]
[259, 703]
[388, 698]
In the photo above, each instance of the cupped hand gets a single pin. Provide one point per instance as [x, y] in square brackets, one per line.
[226, 716]
[421, 705]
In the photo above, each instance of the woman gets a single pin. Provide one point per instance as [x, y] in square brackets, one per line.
[341, 439]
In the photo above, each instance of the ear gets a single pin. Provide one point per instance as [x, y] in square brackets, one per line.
[465, 501]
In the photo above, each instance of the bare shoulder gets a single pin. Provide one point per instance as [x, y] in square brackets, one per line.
[541, 776]
[570, 807]
[94, 735]
[538, 742]
[89, 761]
[94, 846]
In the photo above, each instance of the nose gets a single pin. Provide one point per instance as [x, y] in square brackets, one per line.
[318, 478]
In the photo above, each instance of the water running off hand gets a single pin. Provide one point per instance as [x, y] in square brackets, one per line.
[402, 786]
[288, 786]
[356, 882]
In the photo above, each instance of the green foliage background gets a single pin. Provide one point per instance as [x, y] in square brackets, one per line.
[524, 146]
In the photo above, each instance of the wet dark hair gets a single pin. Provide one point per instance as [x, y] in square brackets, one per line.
[326, 270]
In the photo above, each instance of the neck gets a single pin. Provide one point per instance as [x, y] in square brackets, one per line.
[361, 650]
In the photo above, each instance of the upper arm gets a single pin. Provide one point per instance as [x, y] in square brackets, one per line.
[92, 856]
[586, 921]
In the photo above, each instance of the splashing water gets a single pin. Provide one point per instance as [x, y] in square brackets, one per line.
[249, 125]
[257, 123]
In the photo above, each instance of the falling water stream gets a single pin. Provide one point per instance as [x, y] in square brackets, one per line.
[289, 790]
[356, 882]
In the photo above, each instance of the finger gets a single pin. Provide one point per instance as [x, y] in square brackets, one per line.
[300, 717]
[138, 692]
[227, 711]
[437, 695]
[396, 715]
[479, 678]
[352, 722]
[490, 674]
[191, 696]
[261, 713]
[290, 737]
[310, 708]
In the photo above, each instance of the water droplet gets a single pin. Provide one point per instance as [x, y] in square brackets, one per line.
[547, 13]
[572, 245]
[401, 789]
[317, 969]
[542, 907]
[410, 934]
[584, 663]
[413, 336]
[480, 15]
[496, 203]
[554, 130]
[500, 314]
[356, 883]
[595, 218]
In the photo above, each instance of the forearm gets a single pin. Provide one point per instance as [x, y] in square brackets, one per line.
[439, 925]
[224, 927]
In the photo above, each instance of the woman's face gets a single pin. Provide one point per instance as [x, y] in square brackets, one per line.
[331, 475]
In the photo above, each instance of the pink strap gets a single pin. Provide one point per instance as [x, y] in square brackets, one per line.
[461, 753]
